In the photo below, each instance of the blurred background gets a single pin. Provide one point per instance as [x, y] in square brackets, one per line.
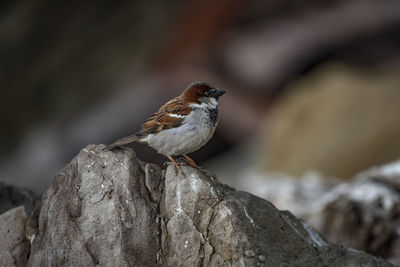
[313, 90]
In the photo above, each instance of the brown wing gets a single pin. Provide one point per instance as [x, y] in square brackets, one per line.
[161, 120]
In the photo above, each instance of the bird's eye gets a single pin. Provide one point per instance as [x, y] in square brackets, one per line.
[207, 93]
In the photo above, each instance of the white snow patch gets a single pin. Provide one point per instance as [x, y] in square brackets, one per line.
[32, 238]
[178, 196]
[391, 169]
[287, 192]
[114, 158]
[371, 192]
[225, 212]
[313, 235]
[248, 217]
[354, 250]
[213, 194]
[91, 164]
[194, 183]
[180, 210]
[186, 243]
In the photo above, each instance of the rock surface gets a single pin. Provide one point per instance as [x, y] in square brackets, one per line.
[110, 209]
[14, 247]
[338, 121]
[98, 211]
[363, 213]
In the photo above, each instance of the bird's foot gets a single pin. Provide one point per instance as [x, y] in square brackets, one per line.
[194, 165]
[177, 168]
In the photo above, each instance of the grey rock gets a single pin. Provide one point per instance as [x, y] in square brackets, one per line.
[387, 174]
[210, 224]
[363, 213]
[110, 209]
[97, 212]
[14, 247]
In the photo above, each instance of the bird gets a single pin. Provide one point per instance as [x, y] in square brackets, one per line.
[182, 125]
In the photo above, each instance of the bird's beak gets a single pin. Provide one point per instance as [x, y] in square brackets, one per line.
[218, 92]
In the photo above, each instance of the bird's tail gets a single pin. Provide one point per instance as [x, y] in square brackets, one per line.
[124, 141]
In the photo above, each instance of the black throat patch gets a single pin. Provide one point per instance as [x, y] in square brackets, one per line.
[213, 116]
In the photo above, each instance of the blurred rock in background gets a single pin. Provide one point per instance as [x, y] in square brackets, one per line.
[363, 213]
[338, 121]
[12, 196]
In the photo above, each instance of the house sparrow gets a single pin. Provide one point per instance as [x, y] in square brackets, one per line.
[181, 126]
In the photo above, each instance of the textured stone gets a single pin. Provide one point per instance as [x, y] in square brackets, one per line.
[210, 224]
[14, 247]
[98, 211]
[107, 208]
[363, 213]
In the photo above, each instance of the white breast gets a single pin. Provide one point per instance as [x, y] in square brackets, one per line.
[194, 133]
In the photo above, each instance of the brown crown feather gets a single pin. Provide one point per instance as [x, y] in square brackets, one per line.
[195, 91]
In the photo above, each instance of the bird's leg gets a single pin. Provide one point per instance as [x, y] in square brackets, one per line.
[192, 163]
[176, 165]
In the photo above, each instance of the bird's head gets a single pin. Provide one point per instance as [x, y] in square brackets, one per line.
[202, 94]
